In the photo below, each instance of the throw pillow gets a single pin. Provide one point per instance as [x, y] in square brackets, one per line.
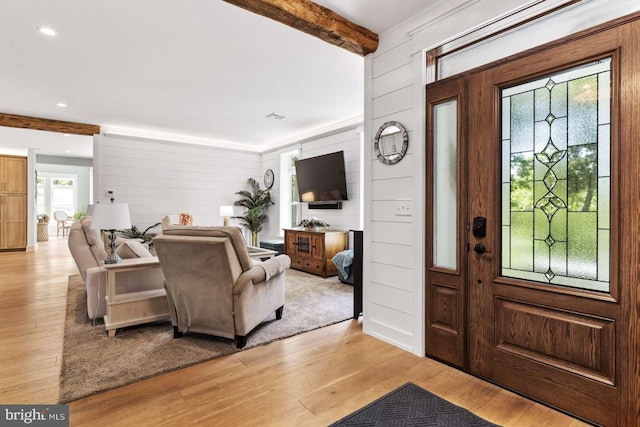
[185, 218]
[132, 249]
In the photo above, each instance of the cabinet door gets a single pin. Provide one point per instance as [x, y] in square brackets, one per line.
[13, 225]
[303, 244]
[317, 246]
[290, 242]
[13, 174]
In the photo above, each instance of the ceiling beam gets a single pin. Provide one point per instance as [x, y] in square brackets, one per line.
[316, 20]
[26, 122]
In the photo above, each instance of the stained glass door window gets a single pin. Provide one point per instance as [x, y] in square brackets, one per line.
[556, 178]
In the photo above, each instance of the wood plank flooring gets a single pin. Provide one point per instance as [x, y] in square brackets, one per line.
[310, 379]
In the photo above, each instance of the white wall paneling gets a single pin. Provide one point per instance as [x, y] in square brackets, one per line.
[271, 160]
[393, 276]
[389, 249]
[161, 177]
[391, 253]
[392, 298]
[348, 141]
[394, 90]
[157, 178]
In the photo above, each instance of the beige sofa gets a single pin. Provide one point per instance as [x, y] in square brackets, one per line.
[87, 249]
[213, 286]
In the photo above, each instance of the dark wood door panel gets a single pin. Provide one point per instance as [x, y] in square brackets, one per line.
[591, 400]
[578, 343]
[446, 333]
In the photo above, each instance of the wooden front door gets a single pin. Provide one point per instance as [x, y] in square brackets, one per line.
[547, 304]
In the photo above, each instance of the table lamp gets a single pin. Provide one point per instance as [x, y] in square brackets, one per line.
[226, 212]
[111, 217]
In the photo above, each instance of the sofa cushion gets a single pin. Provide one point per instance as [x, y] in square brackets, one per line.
[132, 249]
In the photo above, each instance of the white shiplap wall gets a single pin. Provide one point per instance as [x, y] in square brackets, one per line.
[395, 76]
[157, 178]
[349, 142]
[390, 264]
[346, 218]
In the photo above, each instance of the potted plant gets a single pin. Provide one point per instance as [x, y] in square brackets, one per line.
[135, 233]
[256, 201]
[313, 222]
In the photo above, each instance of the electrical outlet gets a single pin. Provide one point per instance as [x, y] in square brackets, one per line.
[404, 208]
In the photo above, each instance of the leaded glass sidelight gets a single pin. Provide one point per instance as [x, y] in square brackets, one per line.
[556, 178]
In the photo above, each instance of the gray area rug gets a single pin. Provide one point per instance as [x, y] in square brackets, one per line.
[410, 405]
[93, 362]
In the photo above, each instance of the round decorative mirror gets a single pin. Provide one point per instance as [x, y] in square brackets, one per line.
[391, 143]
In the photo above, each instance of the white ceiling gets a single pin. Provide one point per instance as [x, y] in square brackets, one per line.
[203, 69]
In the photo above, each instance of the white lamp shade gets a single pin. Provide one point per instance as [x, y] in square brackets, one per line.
[111, 216]
[89, 211]
[226, 210]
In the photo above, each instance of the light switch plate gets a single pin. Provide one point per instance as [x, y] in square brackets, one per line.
[404, 208]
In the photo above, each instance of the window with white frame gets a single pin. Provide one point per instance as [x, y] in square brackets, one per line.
[290, 203]
[63, 195]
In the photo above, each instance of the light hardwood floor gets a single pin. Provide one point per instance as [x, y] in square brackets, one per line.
[311, 379]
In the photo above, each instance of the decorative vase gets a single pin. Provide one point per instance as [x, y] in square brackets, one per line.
[254, 238]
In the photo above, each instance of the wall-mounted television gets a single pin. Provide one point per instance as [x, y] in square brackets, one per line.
[322, 179]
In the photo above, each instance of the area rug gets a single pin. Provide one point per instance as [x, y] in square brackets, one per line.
[93, 362]
[410, 405]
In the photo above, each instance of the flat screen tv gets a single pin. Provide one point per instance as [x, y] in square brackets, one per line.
[322, 179]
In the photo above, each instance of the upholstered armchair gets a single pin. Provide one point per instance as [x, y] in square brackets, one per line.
[213, 286]
[88, 251]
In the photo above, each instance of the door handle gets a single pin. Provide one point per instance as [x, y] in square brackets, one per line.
[480, 249]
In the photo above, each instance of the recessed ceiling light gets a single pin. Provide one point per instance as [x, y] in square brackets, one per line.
[275, 116]
[47, 31]
[66, 134]
[61, 105]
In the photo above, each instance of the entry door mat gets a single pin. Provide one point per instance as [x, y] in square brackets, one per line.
[410, 405]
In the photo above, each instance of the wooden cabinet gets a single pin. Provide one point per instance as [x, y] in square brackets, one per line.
[311, 251]
[13, 174]
[13, 202]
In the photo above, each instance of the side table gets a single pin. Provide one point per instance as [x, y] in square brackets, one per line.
[43, 232]
[260, 253]
[133, 308]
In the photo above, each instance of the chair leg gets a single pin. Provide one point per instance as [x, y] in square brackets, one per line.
[177, 333]
[241, 341]
[279, 312]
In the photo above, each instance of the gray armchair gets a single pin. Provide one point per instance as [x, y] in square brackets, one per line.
[213, 286]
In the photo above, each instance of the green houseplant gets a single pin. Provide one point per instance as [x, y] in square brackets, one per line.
[256, 201]
[135, 233]
[313, 222]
